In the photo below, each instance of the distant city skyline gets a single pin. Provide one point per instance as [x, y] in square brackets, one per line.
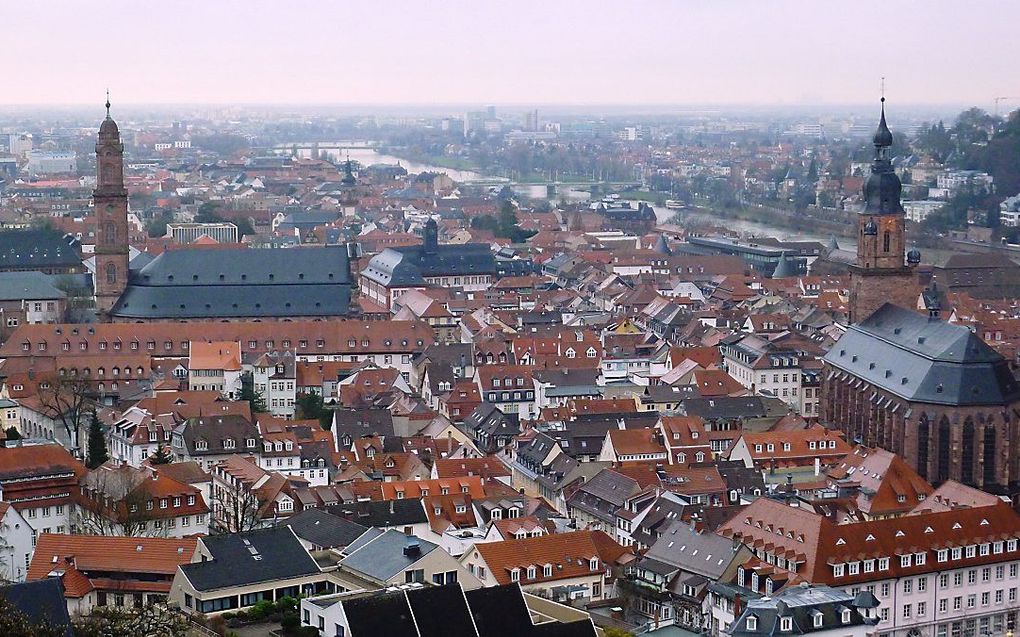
[784, 52]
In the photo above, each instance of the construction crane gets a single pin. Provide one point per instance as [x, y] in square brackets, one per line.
[999, 99]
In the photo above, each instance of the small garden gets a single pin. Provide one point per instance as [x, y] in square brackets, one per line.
[286, 611]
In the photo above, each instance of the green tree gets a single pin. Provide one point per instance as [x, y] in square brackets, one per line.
[308, 406]
[97, 452]
[207, 213]
[485, 222]
[254, 398]
[162, 455]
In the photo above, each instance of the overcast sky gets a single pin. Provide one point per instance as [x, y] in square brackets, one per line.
[510, 51]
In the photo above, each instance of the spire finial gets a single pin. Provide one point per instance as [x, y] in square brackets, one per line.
[107, 103]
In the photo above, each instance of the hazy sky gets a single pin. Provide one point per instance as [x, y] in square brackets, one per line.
[510, 51]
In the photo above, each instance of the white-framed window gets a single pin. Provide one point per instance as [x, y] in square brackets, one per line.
[752, 623]
[515, 575]
[786, 624]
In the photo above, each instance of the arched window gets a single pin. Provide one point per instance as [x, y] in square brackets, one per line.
[967, 460]
[110, 232]
[886, 239]
[923, 440]
[989, 453]
[944, 458]
[111, 272]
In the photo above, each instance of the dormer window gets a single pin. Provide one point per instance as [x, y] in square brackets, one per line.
[752, 623]
[818, 617]
[515, 575]
[593, 564]
[201, 445]
[845, 615]
[497, 514]
[786, 624]
[228, 443]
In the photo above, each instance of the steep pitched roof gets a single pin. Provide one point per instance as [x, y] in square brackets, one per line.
[264, 555]
[923, 360]
[570, 555]
[111, 554]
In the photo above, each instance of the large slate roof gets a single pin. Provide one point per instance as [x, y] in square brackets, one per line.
[203, 283]
[923, 360]
[441, 611]
[391, 513]
[382, 557]
[264, 555]
[28, 286]
[324, 529]
[41, 602]
[700, 552]
[410, 265]
[385, 614]
[499, 611]
[34, 249]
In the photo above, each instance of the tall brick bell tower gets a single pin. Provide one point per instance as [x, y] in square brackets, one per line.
[880, 274]
[111, 208]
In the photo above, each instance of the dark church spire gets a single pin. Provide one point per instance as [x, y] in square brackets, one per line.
[883, 136]
[107, 103]
[882, 190]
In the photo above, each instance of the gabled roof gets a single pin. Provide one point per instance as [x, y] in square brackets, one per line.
[110, 554]
[818, 542]
[41, 602]
[37, 461]
[386, 554]
[324, 529]
[264, 555]
[923, 360]
[693, 550]
[570, 555]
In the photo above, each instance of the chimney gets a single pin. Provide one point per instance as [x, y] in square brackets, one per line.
[413, 547]
[738, 602]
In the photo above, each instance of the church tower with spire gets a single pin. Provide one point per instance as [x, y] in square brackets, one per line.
[111, 209]
[883, 271]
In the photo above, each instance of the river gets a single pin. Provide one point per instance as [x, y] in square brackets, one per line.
[369, 156]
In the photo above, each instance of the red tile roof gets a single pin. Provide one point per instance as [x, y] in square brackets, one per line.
[570, 555]
[817, 543]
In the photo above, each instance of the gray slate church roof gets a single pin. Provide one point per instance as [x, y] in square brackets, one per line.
[924, 360]
[410, 265]
[242, 282]
[36, 249]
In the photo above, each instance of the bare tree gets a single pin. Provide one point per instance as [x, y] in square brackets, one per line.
[117, 502]
[67, 399]
[236, 507]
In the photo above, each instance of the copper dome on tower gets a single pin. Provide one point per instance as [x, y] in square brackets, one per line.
[109, 127]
